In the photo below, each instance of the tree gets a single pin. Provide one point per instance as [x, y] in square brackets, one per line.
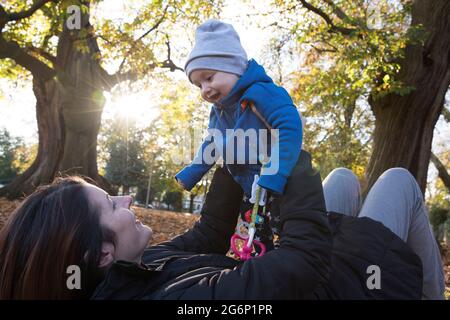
[438, 200]
[405, 123]
[173, 200]
[442, 171]
[24, 156]
[401, 69]
[199, 189]
[438, 216]
[8, 147]
[68, 66]
[125, 166]
[181, 127]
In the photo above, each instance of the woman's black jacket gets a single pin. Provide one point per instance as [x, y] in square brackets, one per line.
[321, 256]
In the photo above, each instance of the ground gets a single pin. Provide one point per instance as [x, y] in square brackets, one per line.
[166, 225]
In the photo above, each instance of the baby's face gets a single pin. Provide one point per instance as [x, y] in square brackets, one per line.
[214, 85]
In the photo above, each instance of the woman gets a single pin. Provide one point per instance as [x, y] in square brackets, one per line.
[75, 223]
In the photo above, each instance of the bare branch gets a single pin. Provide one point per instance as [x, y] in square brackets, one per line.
[338, 11]
[42, 53]
[110, 80]
[333, 27]
[168, 63]
[330, 45]
[320, 50]
[141, 37]
[344, 17]
[442, 171]
[155, 26]
[104, 39]
[27, 13]
[10, 49]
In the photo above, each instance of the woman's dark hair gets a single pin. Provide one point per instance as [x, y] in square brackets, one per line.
[52, 229]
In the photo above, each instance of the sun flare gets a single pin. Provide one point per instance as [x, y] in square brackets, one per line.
[133, 107]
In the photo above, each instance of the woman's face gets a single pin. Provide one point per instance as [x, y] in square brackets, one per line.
[132, 236]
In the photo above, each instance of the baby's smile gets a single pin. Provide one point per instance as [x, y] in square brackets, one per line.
[215, 97]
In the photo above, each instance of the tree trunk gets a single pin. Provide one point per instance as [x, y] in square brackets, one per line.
[125, 190]
[404, 125]
[191, 202]
[51, 141]
[82, 106]
[68, 112]
[442, 171]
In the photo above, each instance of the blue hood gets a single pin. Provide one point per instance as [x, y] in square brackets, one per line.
[254, 73]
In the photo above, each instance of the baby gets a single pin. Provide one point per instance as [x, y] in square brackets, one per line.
[245, 100]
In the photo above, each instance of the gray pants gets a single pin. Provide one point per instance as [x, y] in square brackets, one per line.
[396, 201]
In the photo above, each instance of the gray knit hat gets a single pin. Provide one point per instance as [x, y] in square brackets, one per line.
[217, 47]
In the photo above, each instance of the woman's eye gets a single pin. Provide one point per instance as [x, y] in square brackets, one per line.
[209, 78]
[114, 205]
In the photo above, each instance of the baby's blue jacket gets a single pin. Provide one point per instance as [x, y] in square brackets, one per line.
[276, 107]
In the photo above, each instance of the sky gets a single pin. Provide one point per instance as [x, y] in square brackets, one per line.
[17, 107]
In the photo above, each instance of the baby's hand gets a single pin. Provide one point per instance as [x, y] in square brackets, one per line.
[262, 195]
[180, 183]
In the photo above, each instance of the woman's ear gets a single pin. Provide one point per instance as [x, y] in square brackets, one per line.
[107, 255]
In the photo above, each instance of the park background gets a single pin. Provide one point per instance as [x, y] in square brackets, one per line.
[110, 101]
